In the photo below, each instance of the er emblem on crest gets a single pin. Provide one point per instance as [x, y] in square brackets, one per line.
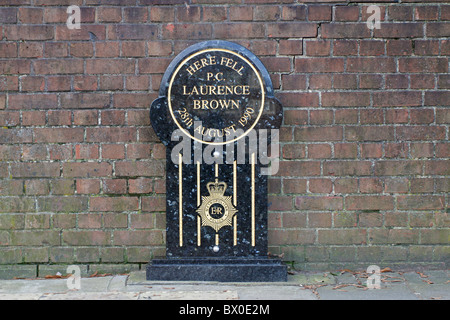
[216, 210]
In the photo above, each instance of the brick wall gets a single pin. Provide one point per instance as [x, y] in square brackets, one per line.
[364, 174]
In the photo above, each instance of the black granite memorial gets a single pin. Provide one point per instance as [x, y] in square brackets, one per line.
[214, 114]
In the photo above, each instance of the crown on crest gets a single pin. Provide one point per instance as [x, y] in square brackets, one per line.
[216, 188]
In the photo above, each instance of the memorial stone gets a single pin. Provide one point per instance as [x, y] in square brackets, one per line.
[217, 116]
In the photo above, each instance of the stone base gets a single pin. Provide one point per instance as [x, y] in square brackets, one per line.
[222, 270]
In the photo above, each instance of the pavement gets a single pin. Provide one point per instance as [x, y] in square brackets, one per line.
[338, 285]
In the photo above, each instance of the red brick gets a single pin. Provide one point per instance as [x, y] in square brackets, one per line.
[58, 83]
[318, 47]
[289, 168]
[85, 83]
[370, 185]
[214, 14]
[135, 14]
[141, 185]
[113, 134]
[162, 14]
[59, 118]
[319, 65]
[139, 169]
[35, 170]
[342, 30]
[138, 237]
[294, 151]
[266, 13]
[107, 49]
[397, 98]
[88, 186]
[19, 66]
[113, 151]
[438, 29]
[188, 13]
[199, 31]
[33, 101]
[133, 49]
[58, 135]
[57, 66]
[291, 30]
[320, 185]
[419, 202]
[437, 167]
[85, 100]
[345, 47]
[86, 151]
[319, 203]
[109, 66]
[279, 203]
[152, 204]
[153, 65]
[399, 47]
[371, 65]
[321, 117]
[400, 13]
[347, 168]
[239, 30]
[295, 12]
[318, 134]
[345, 99]
[317, 151]
[97, 32]
[86, 237]
[28, 32]
[299, 99]
[399, 30]
[85, 117]
[369, 133]
[290, 47]
[344, 13]
[424, 65]
[319, 12]
[86, 169]
[31, 83]
[369, 202]
[114, 186]
[437, 98]
[398, 167]
[8, 50]
[409, 133]
[109, 14]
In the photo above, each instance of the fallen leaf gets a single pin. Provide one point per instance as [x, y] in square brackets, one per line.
[421, 274]
[386, 270]
[345, 270]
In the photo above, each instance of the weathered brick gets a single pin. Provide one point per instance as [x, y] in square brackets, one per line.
[115, 204]
[292, 30]
[86, 169]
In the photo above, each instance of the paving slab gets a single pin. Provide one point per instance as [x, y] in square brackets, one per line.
[411, 285]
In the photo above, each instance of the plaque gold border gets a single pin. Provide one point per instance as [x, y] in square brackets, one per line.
[196, 54]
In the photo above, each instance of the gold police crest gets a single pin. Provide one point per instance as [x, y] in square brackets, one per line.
[216, 209]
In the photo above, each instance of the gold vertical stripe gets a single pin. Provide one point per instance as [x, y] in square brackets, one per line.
[217, 239]
[180, 200]
[235, 202]
[217, 170]
[199, 236]
[253, 199]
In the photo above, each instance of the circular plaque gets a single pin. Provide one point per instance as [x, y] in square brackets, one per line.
[216, 96]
